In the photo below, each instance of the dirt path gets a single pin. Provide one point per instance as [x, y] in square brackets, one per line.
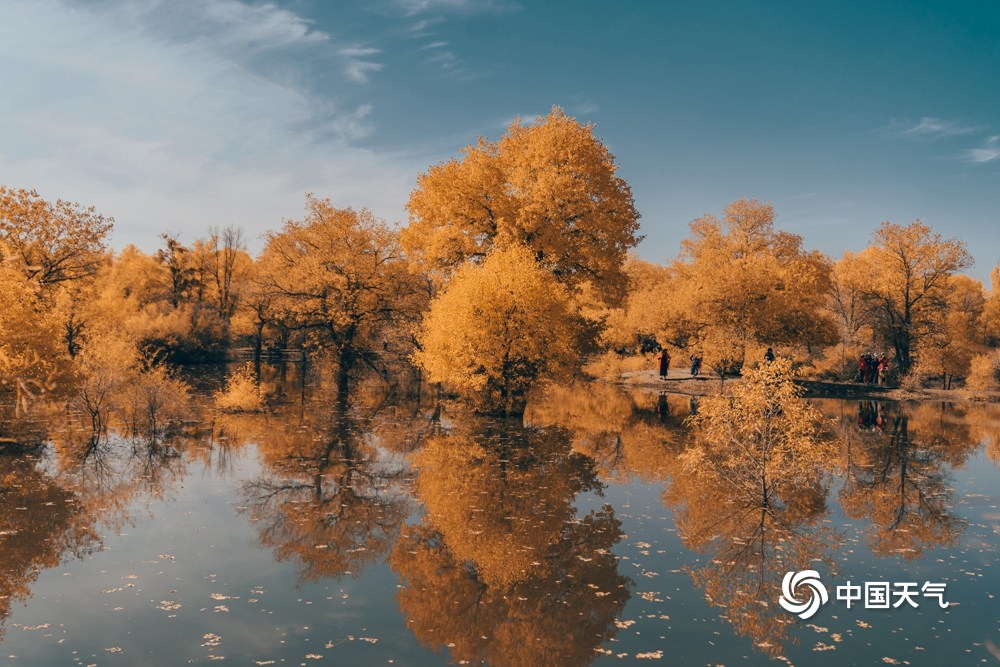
[680, 381]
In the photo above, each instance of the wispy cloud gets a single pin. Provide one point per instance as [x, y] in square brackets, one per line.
[988, 152]
[413, 7]
[263, 24]
[438, 54]
[935, 127]
[421, 29]
[357, 65]
[154, 113]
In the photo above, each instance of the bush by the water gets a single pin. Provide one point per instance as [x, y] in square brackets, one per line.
[242, 392]
[984, 372]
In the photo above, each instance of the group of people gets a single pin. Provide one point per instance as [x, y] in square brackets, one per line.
[665, 364]
[872, 368]
[695, 362]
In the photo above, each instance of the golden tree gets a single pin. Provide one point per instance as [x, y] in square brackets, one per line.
[55, 242]
[650, 314]
[912, 267]
[339, 275]
[549, 185]
[851, 278]
[32, 362]
[759, 436]
[956, 331]
[743, 283]
[498, 328]
[991, 310]
[751, 491]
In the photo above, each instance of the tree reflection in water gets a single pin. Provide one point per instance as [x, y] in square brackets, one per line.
[750, 492]
[334, 496]
[55, 508]
[501, 570]
[628, 435]
[896, 476]
[40, 524]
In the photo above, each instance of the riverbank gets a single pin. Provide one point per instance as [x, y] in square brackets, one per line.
[680, 381]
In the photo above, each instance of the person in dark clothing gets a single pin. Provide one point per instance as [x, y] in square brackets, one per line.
[664, 363]
[695, 365]
[769, 355]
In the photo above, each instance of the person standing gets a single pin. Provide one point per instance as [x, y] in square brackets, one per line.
[769, 355]
[664, 363]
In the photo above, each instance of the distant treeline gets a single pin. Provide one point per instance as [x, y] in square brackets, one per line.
[515, 266]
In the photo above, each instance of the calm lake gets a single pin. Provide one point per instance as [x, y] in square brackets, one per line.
[403, 532]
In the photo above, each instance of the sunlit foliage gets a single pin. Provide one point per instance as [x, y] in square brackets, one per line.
[741, 282]
[54, 241]
[956, 334]
[758, 436]
[32, 362]
[549, 185]
[498, 328]
[340, 276]
[910, 268]
[242, 392]
[751, 491]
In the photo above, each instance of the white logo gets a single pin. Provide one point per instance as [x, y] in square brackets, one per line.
[817, 597]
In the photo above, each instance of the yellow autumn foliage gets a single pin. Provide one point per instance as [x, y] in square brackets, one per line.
[497, 329]
[742, 284]
[550, 185]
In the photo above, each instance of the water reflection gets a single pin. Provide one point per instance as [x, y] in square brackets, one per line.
[499, 545]
[54, 508]
[896, 476]
[40, 523]
[748, 546]
[628, 435]
[501, 570]
[749, 493]
[333, 497]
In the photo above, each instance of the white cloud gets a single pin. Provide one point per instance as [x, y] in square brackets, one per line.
[358, 66]
[168, 131]
[412, 7]
[266, 24]
[936, 127]
[988, 152]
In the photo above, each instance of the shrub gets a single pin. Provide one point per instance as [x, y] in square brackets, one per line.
[242, 392]
[984, 372]
[155, 401]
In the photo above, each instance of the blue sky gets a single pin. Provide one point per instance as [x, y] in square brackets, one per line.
[177, 115]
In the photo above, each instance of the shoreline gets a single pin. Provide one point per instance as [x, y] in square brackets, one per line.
[679, 381]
